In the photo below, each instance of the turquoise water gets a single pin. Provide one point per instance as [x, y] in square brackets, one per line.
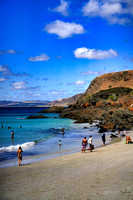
[40, 136]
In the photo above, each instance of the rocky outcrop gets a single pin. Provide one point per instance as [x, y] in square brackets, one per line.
[108, 99]
[37, 117]
[54, 109]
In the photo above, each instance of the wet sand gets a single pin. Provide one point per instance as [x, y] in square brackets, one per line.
[104, 174]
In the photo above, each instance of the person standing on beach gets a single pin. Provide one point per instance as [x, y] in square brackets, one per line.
[84, 144]
[103, 139]
[59, 142]
[90, 143]
[124, 132]
[63, 131]
[12, 135]
[19, 154]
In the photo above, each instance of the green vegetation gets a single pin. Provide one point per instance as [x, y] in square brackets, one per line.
[113, 97]
[112, 93]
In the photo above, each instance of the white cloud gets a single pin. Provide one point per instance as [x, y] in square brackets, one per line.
[57, 92]
[5, 71]
[42, 57]
[114, 11]
[10, 51]
[2, 79]
[63, 8]
[78, 83]
[19, 85]
[64, 29]
[94, 53]
[93, 73]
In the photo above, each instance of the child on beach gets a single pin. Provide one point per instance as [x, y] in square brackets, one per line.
[19, 153]
[84, 144]
[128, 140]
[59, 142]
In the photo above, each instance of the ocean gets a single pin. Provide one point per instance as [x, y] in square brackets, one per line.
[39, 138]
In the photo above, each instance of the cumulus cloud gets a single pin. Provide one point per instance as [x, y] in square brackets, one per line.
[78, 83]
[94, 53]
[63, 8]
[5, 71]
[10, 51]
[42, 57]
[114, 11]
[2, 79]
[64, 29]
[57, 92]
[93, 73]
[20, 85]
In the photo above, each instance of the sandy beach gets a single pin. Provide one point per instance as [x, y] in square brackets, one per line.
[104, 174]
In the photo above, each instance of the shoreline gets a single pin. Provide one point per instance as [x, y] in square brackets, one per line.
[43, 157]
[104, 174]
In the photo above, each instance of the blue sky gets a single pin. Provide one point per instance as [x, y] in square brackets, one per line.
[51, 50]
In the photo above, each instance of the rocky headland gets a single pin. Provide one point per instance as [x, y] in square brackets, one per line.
[108, 100]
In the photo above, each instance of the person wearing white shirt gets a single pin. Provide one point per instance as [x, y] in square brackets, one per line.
[90, 143]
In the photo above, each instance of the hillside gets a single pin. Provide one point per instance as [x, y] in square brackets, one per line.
[110, 80]
[108, 99]
[65, 102]
[103, 82]
[23, 103]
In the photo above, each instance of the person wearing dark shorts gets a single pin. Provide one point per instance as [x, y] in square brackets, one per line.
[84, 145]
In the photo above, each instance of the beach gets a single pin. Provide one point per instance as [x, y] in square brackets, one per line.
[104, 174]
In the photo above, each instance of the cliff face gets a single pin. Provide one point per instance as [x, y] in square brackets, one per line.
[111, 80]
[103, 82]
[109, 99]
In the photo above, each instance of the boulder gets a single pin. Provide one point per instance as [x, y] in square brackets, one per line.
[37, 117]
[113, 136]
[106, 127]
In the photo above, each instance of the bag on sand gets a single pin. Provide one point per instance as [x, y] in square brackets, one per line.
[92, 147]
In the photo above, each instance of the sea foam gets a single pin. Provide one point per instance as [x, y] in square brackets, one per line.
[14, 148]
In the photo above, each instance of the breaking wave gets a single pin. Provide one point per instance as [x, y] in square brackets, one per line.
[11, 148]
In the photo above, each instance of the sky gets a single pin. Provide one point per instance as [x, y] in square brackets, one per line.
[53, 49]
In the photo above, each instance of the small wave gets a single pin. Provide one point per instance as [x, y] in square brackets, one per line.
[14, 148]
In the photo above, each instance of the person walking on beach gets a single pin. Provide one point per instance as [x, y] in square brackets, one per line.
[103, 139]
[19, 154]
[12, 135]
[90, 143]
[84, 144]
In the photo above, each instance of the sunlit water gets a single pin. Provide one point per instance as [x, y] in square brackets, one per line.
[40, 136]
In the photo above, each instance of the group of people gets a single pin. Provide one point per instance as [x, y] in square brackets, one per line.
[85, 143]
